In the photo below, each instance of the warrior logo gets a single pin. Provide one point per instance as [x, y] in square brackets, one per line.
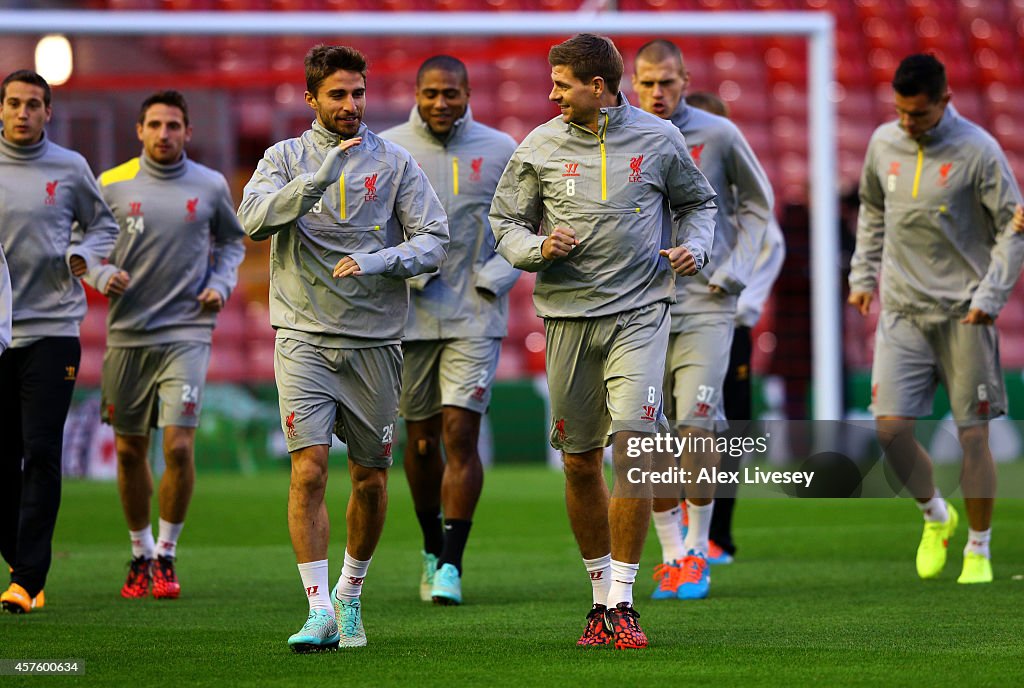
[571, 169]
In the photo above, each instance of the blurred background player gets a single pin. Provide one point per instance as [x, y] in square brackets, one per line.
[5, 304]
[350, 217]
[457, 318]
[173, 268]
[704, 313]
[937, 204]
[736, 394]
[45, 190]
[596, 183]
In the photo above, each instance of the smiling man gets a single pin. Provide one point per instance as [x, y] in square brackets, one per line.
[350, 217]
[172, 269]
[44, 190]
[604, 203]
[456, 320]
[937, 210]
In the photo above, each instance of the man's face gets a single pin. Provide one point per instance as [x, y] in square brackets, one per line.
[660, 86]
[918, 114]
[24, 113]
[441, 98]
[578, 101]
[339, 102]
[163, 133]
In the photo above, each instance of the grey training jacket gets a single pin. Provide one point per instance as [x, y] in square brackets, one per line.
[50, 210]
[628, 192]
[179, 235]
[767, 269]
[468, 296]
[936, 219]
[745, 201]
[382, 212]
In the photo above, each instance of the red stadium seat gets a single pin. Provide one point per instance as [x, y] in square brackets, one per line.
[90, 366]
[93, 330]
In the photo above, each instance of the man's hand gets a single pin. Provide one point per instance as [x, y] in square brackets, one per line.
[861, 300]
[681, 260]
[77, 265]
[330, 170]
[211, 300]
[559, 243]
[1018, 219]
[347, 267]
[117, 284]
[976, 316]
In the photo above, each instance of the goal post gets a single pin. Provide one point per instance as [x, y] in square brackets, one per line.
[817, 27]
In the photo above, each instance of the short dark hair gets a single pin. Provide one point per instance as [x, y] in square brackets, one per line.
[324, 60]
[589, 55]
[27, 76]
[709, 102]
[169, 97]
[658, 50]
[918, 74]
[444, 63]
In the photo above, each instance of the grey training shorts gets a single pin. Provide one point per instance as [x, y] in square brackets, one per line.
[915, 352]
[447, 372]
[698, 359]
[143, 387]
[605, 375]
[350, 392]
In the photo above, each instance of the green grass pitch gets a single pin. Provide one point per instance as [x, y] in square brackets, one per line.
[823, 592]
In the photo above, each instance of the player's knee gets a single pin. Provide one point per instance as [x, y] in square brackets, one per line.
[45, 454]
[974, 439]
[582, 467]
[424, 447]
[178, 452]
[369, 484]
[309, 476]
[131, 454]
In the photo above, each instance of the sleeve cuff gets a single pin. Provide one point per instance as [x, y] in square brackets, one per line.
[370, 263]
[730, 284]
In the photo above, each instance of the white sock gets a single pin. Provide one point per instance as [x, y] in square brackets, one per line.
[315, 579]
[142, 542]
[600, 571]
[977, 542]
[167, 544]
[350, 585]
[700, 527]
[623, 577]
[934, 509]
[670, 534]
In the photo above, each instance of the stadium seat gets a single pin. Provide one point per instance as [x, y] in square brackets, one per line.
[93, 330]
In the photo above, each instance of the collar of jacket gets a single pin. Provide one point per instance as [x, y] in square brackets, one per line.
[941, 130]
[617, 116]
[161, 171]
[29, 152]
[681, 116]
[327, 139]
[420, 126]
